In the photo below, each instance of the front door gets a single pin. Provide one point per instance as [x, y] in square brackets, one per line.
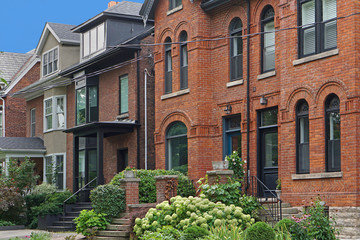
[268, 151]
[122, 159]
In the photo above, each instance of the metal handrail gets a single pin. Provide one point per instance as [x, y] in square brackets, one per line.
[275, 209]
[81, 189]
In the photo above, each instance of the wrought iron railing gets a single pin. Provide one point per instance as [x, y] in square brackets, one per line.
[80, 190]
[270, 202]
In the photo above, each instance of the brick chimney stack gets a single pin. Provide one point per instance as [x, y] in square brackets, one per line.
[112, 3]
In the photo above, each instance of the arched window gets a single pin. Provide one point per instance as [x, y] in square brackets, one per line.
[332, 134]
[177, 147]
[168, 66]
[302, 137]
[183, 61]
[268, 40]
[236, 50]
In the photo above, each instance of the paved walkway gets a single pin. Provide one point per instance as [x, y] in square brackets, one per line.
[27, 232]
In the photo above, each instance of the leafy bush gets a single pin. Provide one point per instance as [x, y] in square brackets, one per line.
[147, 185]
[194, 232]
[164, 233]
[260, 231]
[249, 204]
[6, 223]
[284, 225]
[11, 202]
[225, 232]
[108, 199]
[185, 212]
[236, 164]
[40, 236]
[44, 188]
[89, 222]
[46, 208]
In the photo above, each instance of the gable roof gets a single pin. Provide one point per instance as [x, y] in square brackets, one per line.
[21, 143]
[123, 9]
[61, 32]
[147, 10]
[10, 64]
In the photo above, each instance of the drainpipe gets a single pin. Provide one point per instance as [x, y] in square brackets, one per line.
[138, 107]
[145, 117]
[3, 117]
[248, 96]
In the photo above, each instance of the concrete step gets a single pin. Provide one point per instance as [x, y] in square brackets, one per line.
[72, 214]
[289, 211]
[67, 218]
[110, 238]
[60, 229]
[80, 208]
[289, 216]
[106, 233]
[64, 223]
[121, 221]
[117, 227]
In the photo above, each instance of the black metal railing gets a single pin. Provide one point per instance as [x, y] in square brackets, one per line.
[270, 202]
[80, 190]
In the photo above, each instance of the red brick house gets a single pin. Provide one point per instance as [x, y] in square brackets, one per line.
[260, 77]
[106, 106]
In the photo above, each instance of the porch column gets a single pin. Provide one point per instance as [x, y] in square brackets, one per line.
[100, 157]
[219, 176]
[75, 163]
[7, 160]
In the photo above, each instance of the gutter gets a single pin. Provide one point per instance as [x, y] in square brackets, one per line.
[248, 97]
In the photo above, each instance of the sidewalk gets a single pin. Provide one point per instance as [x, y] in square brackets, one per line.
[4, 235]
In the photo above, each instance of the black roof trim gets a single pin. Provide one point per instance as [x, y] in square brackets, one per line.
[208, 5]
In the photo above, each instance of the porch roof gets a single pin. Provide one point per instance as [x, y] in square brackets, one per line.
[21, 144]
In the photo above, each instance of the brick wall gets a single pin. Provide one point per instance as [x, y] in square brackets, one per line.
[202, 109]
[38, 104]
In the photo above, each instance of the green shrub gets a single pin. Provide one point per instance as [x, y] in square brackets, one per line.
[260, 231]
[183, 213]
[249, 204]
[236, 164]
[226, 232]
[11, 202]
[40, 236]
[46, 208]
[60, 197]
[194, 232]
[6, 223]
[108, 199]
[228, 193]
[284, 225]
[147, 185]
[89, 223]
[44, 188]
[165, 233]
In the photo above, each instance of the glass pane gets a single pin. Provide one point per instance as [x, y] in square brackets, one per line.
[93, 104]
[304, 130]
[308, 12]
[168, 61]
[184, 55]
[86, 46]
[55, 59]
[101, 36]
[269, 118]
[48, 107]
[81, 168]
[60, 172]
[236, 144]
[269, 47]
[309, 40]
[234, 123]
[50, 62]
[330, 37]
[80, 106]
[176, 129]
[92, 166]
[329, 9]
[334, 155]
[49, 169]
[304, 163]
[124, 94]
[271, 149]
[49, 122]
[334, 123]
[178, 154]
[93, 40]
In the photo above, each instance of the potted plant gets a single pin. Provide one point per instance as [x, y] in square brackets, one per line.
[278, 188]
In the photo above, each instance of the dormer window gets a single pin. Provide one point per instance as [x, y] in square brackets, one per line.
[50, 61]
[93, 40]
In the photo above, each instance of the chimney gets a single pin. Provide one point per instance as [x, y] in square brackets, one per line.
[112, 3]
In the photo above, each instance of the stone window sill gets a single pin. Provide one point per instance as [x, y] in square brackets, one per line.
[174, 10]
[266, 75]
[175, 94]
[235, 83]
[122, 116]
[317, 175]
[316, 57]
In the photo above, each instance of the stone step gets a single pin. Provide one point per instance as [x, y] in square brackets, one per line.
[72, 214]
[289, 216]
[110, 238]
[60, 229]
[290, 211]
[64, 223]
[67, 218]
[80, 208]
[116, 227]
[123, 221]
[106, 233]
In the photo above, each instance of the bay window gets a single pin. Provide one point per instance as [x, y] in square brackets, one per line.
[87, 107]
[54, 114]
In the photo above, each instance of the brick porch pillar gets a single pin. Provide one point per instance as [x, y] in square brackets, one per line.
[166, 185]
[131, 187]
[219, 176]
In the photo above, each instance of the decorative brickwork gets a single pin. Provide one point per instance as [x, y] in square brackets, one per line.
[166, 187]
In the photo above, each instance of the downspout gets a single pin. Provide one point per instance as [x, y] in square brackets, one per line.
[248, 96]
[138, 107]
[146, 73]
[3, 117]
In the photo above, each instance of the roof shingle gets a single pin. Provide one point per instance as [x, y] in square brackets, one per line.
[16, 143]
[10, 63]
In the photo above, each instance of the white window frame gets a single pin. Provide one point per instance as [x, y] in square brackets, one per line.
[1, 122]
[32, 124]
[57, 62]
[54, 113]
[53, 160]
[89, 52]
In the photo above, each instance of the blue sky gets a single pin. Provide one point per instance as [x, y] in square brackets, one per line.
[22, 21]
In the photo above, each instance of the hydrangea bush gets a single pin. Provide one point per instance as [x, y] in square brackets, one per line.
[183, 212]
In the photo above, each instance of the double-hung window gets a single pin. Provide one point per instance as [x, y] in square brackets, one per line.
[54, 114]
[168, 66]
[268, 40]
[183, 61]
[174, 3]
[302, 120]
[124, 94]
[319, 28]
[54, 170]
[236, 50]
[32, 122]
[50, 61]
[332, 134]
[93, 40]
